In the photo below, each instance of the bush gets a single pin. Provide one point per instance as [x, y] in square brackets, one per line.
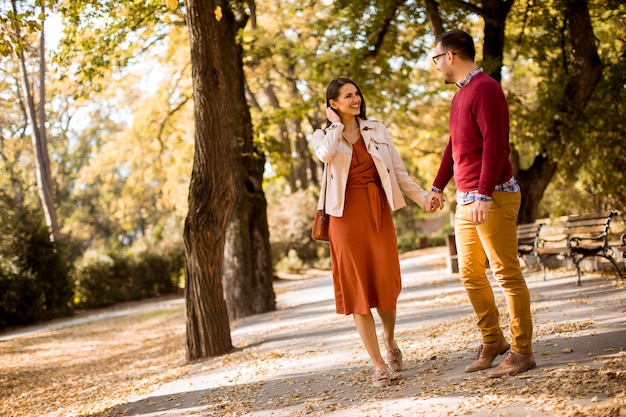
[95, 286]
[290, 263]
[106, 276]
[34, 279]
[21, 300]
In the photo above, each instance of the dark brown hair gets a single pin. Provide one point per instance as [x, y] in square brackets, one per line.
[459, 42]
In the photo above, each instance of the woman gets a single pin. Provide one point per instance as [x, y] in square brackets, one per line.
[364, 180]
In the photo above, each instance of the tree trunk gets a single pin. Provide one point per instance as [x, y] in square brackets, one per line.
[211, 192]
[304, 166]
[248, 274]
[39, 139]
[248, 264]
[284, 139]
[585, 74]
[495, 13]
[533, 182]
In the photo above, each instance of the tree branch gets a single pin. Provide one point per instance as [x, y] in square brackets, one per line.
[434, 17]
[470, 7]
[384, 29]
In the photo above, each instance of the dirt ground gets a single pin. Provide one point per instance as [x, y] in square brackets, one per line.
[306, 360]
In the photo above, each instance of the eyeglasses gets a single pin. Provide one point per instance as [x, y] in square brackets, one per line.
[440, 55]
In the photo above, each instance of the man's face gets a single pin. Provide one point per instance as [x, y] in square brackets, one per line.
[442, 59]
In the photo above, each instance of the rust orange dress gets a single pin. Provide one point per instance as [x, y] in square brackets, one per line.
[363, 244]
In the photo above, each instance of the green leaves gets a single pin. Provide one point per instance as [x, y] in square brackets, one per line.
[102, 37]
[16, 27]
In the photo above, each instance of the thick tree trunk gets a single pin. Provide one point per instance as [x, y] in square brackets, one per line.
[247, 258]
[248, 265]
[211, 192]
[495, 13]
[585, 73]
[533, 182]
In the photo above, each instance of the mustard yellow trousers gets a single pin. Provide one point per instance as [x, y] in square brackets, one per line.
[496, 240]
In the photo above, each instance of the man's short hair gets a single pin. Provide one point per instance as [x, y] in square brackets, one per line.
[459, 42]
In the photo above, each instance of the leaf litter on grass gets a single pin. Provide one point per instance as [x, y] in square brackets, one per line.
[88, 368]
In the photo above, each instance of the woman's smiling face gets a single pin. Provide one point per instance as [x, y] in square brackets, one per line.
[348, 102]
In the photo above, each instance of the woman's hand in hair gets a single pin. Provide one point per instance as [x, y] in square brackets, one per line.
[332, 115]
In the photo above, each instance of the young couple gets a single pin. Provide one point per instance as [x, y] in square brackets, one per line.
[366, 179]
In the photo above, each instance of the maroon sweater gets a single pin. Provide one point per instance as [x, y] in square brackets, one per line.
[477, 154]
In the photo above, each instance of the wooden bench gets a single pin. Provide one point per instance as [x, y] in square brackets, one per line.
[580, 237]
[527, 240]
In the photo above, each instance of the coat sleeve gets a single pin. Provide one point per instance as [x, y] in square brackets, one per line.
[325, 141]
[405, 182]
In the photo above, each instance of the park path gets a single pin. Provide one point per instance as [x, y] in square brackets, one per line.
[305, 360]
[92, 316]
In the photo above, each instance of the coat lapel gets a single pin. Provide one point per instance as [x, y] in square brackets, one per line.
[366, 129]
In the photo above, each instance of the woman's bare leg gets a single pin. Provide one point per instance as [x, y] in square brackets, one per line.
[367, 330]
[388, 319]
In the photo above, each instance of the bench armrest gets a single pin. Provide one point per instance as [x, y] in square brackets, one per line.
[576, 241]
[542, 241]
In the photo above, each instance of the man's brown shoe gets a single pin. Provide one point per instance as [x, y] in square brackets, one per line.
[487, 353]
[513, 364]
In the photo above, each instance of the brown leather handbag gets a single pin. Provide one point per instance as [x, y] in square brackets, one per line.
[320, 224]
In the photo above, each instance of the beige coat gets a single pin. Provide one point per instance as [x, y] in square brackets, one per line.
[332, 148]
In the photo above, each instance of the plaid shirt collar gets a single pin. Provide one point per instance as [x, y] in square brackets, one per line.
[465, 81]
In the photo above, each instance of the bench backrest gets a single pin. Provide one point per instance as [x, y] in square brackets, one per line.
[527, 234]
[592, 224]
[560, 232]
[553, 233]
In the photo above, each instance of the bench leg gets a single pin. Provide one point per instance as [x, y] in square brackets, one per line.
[607, 257]
[525, 261]
[538, 262]
[578, 272]
[619, 272]
[544, 268]
[577, 259]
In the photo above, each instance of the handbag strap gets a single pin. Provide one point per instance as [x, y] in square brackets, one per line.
[325, 181]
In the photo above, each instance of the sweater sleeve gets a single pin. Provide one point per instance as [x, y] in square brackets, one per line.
[446, 169]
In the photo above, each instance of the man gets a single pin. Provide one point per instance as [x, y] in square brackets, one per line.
[488, 200]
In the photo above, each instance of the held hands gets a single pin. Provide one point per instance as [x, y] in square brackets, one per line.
[478, 213]
[332, 116]
[434, 201]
